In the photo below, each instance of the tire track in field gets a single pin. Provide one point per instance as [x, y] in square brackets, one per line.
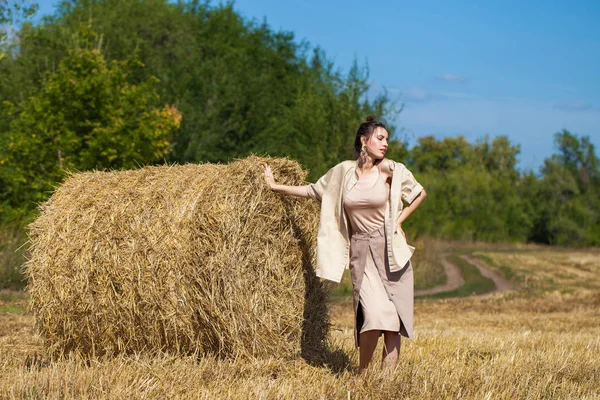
[456, 280]
[502, 285]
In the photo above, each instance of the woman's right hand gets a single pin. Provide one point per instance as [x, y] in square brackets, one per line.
[298, 191]
[269, 179]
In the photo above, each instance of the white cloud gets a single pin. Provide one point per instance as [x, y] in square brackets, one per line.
[453, 78]
[575, 107]
[414, 94]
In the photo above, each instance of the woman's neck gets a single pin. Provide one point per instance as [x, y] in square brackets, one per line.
[365, 164]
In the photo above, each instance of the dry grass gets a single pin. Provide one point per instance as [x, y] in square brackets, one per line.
[548, 270]
[527, 344]
[190, 259]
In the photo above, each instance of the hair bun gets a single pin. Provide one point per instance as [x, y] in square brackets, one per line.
[370, 118]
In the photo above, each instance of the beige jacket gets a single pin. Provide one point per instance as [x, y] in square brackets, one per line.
[333, 239]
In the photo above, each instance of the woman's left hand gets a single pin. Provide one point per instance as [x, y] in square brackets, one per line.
[399, 229]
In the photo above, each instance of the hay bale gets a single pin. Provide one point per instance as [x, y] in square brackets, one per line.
[180, 259]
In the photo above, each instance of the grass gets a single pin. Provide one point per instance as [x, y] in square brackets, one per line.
[10, 296]
[507, 272]
[12, 301]
[12, 258]
[12, 309]
[540, 341]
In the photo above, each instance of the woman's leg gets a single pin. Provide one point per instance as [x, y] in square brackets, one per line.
[368, 342]
[391, 350]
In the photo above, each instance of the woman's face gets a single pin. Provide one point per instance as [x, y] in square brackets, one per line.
[377, 144]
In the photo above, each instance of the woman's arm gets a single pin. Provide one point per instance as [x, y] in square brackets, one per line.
[298, 191]
[406, 211]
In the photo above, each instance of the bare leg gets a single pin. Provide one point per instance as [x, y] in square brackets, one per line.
[368, 342]
[391, 350]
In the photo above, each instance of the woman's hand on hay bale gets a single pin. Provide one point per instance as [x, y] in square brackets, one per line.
[298, 191]
[269, 179]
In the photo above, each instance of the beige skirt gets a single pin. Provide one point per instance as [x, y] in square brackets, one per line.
[382, 300]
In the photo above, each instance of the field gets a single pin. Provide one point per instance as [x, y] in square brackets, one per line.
[540, 340]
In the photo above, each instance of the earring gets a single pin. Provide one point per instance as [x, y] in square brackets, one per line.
[363, 150]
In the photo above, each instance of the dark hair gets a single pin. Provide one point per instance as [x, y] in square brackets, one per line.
[366, 129]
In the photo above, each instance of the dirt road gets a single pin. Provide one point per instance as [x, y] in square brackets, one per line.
[455, 279]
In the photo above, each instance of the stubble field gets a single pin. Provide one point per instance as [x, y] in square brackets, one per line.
[540, 340]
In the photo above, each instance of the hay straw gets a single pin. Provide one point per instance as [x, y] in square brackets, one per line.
[190, 259]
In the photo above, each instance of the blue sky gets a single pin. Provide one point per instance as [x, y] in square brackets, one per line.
[525, 69]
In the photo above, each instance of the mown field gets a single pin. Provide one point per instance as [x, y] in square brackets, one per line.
[539, 341]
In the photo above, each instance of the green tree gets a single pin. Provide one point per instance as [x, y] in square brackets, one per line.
[447, 154]
[319, 126]
[497, 156]
[86, 115]
[242, 86]
[568, 197]
[13, 78]
[577, 156]
[473, 189]
[12, 13]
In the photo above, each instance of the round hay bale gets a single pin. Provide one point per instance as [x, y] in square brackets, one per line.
[189, 259]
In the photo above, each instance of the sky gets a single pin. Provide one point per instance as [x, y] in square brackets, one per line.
[524, 69]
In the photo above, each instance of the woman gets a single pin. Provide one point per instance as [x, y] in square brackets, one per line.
[361, 227]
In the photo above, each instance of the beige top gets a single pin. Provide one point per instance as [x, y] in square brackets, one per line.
[365, 203]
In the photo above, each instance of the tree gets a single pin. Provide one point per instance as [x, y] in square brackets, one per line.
[497, 156]
[473, 189]
[568, 199]
[447, 154]
[243, 87]
[86, 115]
[11, 14]
[577, 156]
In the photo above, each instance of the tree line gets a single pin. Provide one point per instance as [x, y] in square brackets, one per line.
[476, 192]
[123, 83]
